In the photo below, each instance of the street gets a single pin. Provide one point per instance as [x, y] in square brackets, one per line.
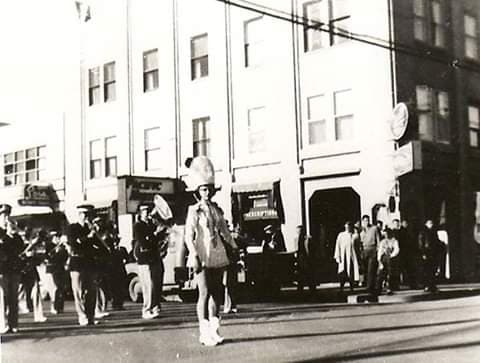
[286, 330]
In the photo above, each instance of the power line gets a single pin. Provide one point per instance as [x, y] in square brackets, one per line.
[337, 31]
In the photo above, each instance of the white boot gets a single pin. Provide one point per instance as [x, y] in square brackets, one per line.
[214, 326]
[205, 335]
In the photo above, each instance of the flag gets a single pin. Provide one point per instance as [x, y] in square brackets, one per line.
[83, 10]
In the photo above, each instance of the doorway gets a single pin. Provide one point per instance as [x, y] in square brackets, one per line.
[329, 209]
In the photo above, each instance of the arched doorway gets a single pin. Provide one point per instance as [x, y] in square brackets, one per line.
[329, 209]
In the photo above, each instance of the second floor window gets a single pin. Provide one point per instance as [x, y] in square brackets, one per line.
[150, 70]
[199, 56]
[256, 130]
[109, 91]
[24, 166]
[111, 156]
[433, 115]
[474, 125]
[94, 86]
[253, 46]
[343, 114]
[471, 37]
[201, 136]
[317, 119]
[152, 148]
[96, 151]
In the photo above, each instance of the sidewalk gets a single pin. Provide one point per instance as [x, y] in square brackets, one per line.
[329, 293]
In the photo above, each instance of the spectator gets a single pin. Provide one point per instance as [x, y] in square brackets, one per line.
[346, 257]
[428, 247]
[387, 251]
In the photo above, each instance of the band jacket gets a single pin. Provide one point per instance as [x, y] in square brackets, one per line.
[11, 248]
[145, 242]
[81, 247]
[56, 257]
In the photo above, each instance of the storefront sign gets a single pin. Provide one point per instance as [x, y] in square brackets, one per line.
[254, 214]
[399, 120]
[37, 195]
[407, 158]
[145, 189]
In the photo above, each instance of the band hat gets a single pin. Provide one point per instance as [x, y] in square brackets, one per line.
[85, 208]
[144, 206]
[268, 228]
[201, 172]
[5, 208]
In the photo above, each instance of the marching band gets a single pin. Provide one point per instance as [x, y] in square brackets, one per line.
[89, 253]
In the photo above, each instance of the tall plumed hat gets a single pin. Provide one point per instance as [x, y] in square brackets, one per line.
[201, 172]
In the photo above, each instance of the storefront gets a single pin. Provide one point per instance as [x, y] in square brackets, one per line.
[255, 206]
[35, 206]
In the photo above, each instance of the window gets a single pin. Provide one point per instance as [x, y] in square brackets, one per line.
[333, 16]
[343, 114]
[199, 56]
[474, 125]
[94, 86]
[150, 70]
[256, 130]
[420, 20]
[152, 149]
[438, 24]
[253, 34]
[96, 159]
[433, 115]
[317, 123]
[24, 166]
[201, 137]
[429, 24]
[109, 91]
[471, 37]
[111, 156]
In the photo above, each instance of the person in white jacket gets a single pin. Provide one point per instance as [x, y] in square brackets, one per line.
[346, 257]
[387, 250]
[206, 232]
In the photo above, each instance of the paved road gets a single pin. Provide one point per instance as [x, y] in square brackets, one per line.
[287, 331]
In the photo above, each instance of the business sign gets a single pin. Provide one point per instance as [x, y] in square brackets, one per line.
[256, 214]
[37, 195]
[403, 160]
[145, 189]
[399, 120]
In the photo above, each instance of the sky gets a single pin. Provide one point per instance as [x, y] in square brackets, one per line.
[39, 47]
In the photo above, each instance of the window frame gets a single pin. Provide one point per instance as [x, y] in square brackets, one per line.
[471, 129]
[150, 71]
[198, 59]
[94, 86]
[475, 38]
[150, 150]
[18, 165]
[433, 114]
[93, 161]
[204, 142]
[109, 83]
[311, 120]
[248, 45]
[340, 116]
[111, 157]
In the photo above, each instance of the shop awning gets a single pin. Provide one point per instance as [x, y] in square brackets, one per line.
[254, 187]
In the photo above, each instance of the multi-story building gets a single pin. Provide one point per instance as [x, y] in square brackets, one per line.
[292, 100]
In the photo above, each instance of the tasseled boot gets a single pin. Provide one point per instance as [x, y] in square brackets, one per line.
[205, 334]
[214, 326]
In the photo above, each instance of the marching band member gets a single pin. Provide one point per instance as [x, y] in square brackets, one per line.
[102, 244]
[81, 265]
[11, 247]
[117, 276]
[149, 266]
[56, 257]
[30, 294]
[204, 227]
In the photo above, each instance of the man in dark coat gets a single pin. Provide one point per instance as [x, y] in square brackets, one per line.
[428, 248]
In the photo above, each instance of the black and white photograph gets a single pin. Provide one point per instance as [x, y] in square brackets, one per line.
[239, 181]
